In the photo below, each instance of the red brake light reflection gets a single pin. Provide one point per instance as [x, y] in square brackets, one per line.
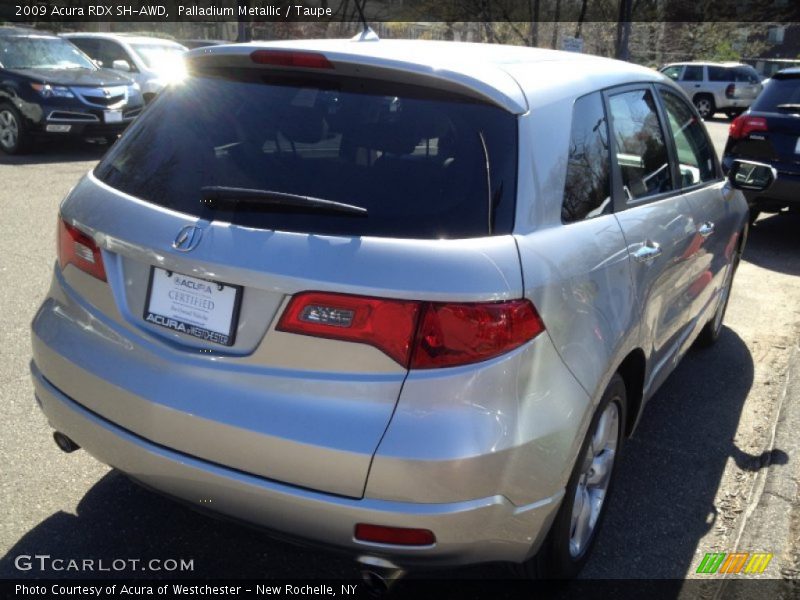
[290, 58]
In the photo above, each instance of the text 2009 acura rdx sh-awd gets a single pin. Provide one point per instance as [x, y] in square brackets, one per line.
[405, 299]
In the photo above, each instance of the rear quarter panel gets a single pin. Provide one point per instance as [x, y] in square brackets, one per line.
[577, 275]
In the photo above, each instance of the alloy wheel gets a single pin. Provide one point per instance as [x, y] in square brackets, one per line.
[9, 129]
[703, 107]
[594, 480]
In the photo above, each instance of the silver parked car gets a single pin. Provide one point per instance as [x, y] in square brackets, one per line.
[405, 299]
[717, 87]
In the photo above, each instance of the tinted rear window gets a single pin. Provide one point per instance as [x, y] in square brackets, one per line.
[720, 74]
[746, 75]
[423, 163]
[776, 92]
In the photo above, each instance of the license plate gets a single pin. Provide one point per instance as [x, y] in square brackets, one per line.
[203, 309]
[113, 116]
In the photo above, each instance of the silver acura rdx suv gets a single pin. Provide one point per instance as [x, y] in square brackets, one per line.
[404, 299]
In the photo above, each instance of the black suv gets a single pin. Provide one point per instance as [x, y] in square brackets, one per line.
[770, 133]
[50, 88]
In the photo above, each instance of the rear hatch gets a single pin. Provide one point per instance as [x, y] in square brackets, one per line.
[240, 189]
[770, 131]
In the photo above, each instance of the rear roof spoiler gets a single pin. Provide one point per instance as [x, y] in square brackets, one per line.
[487, 83]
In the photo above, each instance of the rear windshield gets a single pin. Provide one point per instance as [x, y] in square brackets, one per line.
[423, 164]
[777, 94]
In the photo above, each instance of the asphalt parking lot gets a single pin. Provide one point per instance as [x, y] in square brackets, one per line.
[692, 479]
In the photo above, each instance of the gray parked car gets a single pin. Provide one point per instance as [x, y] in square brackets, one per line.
[405, 299]
[717, 87]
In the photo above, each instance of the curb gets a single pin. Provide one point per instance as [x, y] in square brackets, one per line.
[776, 493]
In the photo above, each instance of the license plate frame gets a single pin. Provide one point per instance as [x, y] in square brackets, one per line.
[180, 324]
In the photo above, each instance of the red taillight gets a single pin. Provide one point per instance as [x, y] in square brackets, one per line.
[77, 248]
[744, 125]
[460, 334]
[418, 335]
[290, 58]
[730, 91]
[388, 325]
[399, 536]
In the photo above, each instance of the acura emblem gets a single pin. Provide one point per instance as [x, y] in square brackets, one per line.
[188, 238]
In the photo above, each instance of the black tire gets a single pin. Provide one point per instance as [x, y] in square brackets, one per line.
[555, 559]
[704, 103]
[710, 333]
[14, 137]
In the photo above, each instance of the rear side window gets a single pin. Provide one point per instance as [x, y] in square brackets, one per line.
[695, 154]
[779, 95]
[586, 192]
[693, 73]
[721, 74]
[88, 46]
[109, 51]
[746, 75]
[424, 164]
[639, 142]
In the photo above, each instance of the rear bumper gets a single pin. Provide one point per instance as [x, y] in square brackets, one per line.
[477, 454]
[473, 531]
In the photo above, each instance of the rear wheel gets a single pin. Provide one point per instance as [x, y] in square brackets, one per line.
[705, 105]
[575, 528]
[14, 138]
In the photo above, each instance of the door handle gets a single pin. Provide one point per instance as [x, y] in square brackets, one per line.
[649, 251]
[706, 229]
[696, 85]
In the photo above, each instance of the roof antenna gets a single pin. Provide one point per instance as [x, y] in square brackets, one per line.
[367, 34]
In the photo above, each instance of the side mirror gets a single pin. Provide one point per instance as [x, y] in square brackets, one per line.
[121, 65]
[99, 63]
[751, 176]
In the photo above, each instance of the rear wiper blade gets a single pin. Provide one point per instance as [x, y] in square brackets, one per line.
[789, 106]
[219, 193]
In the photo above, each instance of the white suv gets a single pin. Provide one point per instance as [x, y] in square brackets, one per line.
[150, 62]
[717, 87]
